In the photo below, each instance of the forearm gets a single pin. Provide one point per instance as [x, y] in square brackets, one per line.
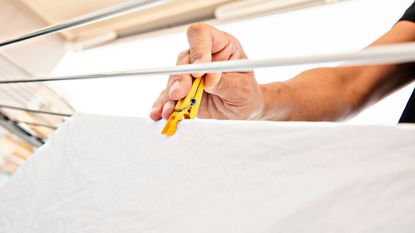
[311, 96]
[331, 94]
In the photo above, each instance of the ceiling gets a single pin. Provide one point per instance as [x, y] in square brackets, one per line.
[166, 14]
[153, 17]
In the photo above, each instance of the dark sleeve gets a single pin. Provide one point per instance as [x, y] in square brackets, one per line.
[409, 14]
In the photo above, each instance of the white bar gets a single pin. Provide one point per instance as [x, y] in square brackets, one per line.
[386, 54]
[100, 15]
[240, 9]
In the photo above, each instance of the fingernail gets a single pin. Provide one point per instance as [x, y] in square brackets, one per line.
[174, 87]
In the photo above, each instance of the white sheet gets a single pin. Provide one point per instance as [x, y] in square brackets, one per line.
[111, 174]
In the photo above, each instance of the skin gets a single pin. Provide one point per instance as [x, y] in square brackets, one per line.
[323, 94]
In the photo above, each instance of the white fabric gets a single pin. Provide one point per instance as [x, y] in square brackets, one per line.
[111, 174]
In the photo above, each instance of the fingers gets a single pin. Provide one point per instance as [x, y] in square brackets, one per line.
[168, 109]
[179, 85]
[163, 107]
[206, 44]
[177, 88]
[225, 84]
[204, 40]
[156, 111]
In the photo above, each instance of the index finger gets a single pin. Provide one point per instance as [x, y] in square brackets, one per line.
[205, 40]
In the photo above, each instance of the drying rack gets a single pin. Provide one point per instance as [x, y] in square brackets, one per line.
[386, 54]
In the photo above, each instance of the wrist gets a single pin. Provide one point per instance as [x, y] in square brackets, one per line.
[274, 95]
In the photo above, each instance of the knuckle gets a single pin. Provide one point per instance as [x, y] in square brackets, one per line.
[175, 78]
[160, 99]
[231, 37]
[183, 54]
[183, 58]
[163, 95]
[236, 42]
[172, 78]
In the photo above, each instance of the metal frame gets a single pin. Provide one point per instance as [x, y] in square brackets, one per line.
[34, 111]
[15, 129]
[385, 54]
[100, 15]
[121, 9]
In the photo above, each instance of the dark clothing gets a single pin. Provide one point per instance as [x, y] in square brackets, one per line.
[408, 115]
[409, 14]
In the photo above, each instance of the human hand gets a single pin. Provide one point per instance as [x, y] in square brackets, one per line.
[230, 95]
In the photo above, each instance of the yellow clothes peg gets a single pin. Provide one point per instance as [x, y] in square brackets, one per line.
[186, 108]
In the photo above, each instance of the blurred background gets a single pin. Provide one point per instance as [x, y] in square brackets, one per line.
[153, 37]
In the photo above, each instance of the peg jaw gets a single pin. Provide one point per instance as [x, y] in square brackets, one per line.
[185, 108]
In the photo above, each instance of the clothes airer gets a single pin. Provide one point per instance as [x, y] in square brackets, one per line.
[186, 108]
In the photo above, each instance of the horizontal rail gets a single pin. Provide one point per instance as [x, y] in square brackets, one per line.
[35, 124]
[107, 13]
[34, 111]
[385, 54]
